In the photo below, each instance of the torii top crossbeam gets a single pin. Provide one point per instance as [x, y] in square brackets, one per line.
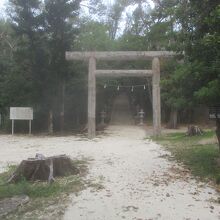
[118, 55]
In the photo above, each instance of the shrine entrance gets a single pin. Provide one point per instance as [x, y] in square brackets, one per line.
[121, 111]
[94, 73]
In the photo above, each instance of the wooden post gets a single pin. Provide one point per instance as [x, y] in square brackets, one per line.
[12, 127]
[29, 127]
[156, 96]
[50, 122]
[92, 98]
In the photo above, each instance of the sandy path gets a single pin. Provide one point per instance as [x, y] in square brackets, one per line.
[139, 183]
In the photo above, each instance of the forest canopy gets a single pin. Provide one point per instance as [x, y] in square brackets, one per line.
[35, 35]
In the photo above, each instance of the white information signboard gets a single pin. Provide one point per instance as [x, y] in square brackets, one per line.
[21, 113]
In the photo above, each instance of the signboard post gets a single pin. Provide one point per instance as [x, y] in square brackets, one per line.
[21, 113]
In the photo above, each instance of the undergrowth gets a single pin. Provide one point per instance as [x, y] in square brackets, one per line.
[45, 199]
[39, 188]
[198, 153]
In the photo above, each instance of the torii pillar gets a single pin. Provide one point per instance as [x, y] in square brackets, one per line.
[92, 98]
[156, 96]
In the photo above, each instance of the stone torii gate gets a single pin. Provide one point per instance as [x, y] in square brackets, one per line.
[92, 57]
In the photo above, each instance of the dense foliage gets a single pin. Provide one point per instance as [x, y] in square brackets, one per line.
[36, 34]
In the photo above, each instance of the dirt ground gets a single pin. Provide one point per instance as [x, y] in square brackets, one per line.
[138, 181]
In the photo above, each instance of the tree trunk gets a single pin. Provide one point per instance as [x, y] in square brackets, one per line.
[77, 117]
[50, 122]
[62, 106]
[172, 124]
[218, 131]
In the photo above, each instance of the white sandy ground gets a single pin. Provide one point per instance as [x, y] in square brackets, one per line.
[139, 182]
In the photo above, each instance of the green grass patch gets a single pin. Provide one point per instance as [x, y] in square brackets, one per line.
[40, 189]
[45, 199]
[195, 152]
[179, 136]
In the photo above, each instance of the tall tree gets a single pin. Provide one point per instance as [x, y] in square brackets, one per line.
[110, 14]
[60, 20]
[26, 21]
[93, 36]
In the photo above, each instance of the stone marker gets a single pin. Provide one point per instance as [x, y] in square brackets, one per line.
[10, 205]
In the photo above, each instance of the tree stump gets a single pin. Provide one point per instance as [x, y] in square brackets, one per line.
[43, 168]
[172, 124]
[194, 130]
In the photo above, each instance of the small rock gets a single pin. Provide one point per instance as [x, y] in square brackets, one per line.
[211, 207]
[9, 205]
[167, 195]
